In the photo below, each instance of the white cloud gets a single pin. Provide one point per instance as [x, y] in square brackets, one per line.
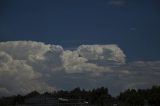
[81, 60]
[21, 50]
[102, 52]
[18, 77]
[29, 65]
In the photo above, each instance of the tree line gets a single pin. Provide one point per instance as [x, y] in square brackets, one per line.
[99, 96]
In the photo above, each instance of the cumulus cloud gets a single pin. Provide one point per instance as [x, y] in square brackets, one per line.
[102, 52]
[21, 50]
[18, 77]
[28, 65]
[74, 63]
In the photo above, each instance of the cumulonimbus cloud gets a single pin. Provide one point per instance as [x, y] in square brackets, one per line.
[102, 52]
[29, 65]
[16, 76]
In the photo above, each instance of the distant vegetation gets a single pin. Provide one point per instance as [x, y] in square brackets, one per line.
[98, 96]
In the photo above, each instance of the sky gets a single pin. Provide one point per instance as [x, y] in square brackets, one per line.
[62, 44]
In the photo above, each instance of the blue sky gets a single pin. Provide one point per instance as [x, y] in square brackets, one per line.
[132, 24]
[62, 44]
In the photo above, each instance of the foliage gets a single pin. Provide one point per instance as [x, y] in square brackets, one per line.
[141, 96]
[98, 96]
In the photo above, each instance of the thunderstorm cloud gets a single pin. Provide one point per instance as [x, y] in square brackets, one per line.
[29, 65]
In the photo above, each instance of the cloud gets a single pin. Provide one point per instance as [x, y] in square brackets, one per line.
[23, 49]
[74, 63]
[28, 65]
[138, 74]
[102, 52]
[18, 77]
[117, 2]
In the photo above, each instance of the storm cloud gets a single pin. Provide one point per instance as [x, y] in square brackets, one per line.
[29, 65]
